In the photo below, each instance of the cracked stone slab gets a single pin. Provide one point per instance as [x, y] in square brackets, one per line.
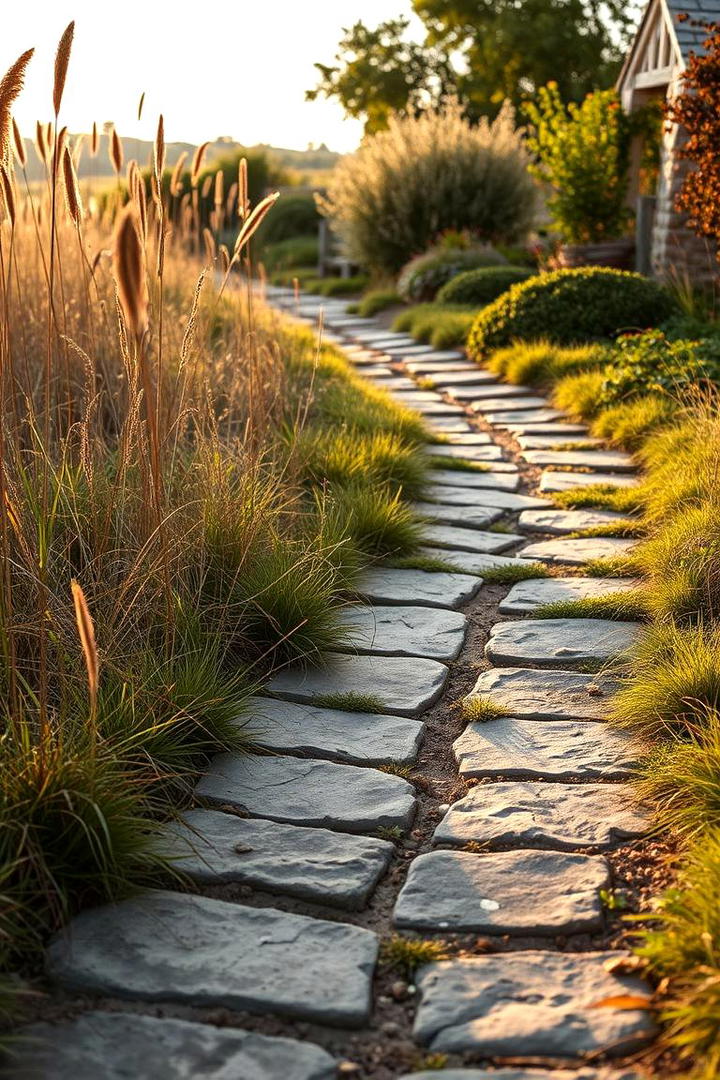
[165, 946]
[470, 517]
[526, 596]
[471, 562]
[396, 630]
[597, 460]
[467, 453]
[579, 551]
[533, 750]
[445, 425]
[303, 791]
[353, 738]
[522, 1074]
[512, 892]
[518, 418]
[116, 1046]
[498, 481]
[534, 694]
[406, 686]
[469, 539]
[566, 481]
[318, 865]
[556, 817]
[558, 522]
[552, 442]
[507, 404]
[437, 589]
[479, 496]
[559, 643]
[532, 1004]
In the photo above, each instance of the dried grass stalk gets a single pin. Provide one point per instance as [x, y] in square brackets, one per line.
[197, 163]
[175, 179]
[140, 104]
[129, 269]
[19, 144]
[243, 198]
[94, 140]
[72, 188]
[86, 632]
[62, 59]
[159, 151]
[116, 152]
[8, 195]
[210, 248]
[10, 87]
[41, 143]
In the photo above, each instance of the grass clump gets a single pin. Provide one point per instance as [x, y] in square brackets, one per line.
[377, 300]
[479, 710]
[430, 564]
[406, 955]
[627, 606]
[352, 702]
[579, 395]
[629, 423]
[508, 575]
[541, 363]
[439, 325]
[601, 497]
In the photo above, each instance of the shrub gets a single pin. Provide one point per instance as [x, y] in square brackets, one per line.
[336, 286]
[377, 300]
[629, 423]
[290, 253]
[424, 275]
[570, 307]
[540, 363]
[481, 286]
[649, 362]
[292, 216]
[442, 326]
[427, 173]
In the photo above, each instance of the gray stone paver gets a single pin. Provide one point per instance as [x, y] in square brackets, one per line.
[552, 442]
[395, 630]
[326, 867]
[466, 453]
[482, 496]
[561, 643]
[506, 390]
[552, 816]
[511, 892]
[304, 791]
[468, 377]
[445, 425]
[354, 738]
[546, 695]
[576, 552]
[469, 539]
[441, 589]
[558, 522]
[532, 1004]
[537, 750]
[552, 481]
[118, 1046]
[468, 517]
[501, 404]
[471, 562]
[526, 596]
[597, 460]
[166, 946]
[403, 685]
[461, 478]
[522, 1074]
[519, 419]
[563, 429]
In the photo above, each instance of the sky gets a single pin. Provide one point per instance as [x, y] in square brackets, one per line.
[238, 68]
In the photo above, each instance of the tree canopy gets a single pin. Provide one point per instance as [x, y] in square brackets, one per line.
[485, 51]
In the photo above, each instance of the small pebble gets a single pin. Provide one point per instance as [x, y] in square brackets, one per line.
[390, 1028]
[399, 990]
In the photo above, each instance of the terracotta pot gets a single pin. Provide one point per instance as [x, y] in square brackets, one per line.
[616, 253]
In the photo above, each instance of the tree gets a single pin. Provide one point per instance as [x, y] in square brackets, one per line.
[379, 72]
[500, 49]
[697, 110]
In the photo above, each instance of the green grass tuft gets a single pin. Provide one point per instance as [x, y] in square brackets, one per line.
[458, 464]
[508, 575]
[377, 300]
[428, 563]
[406, 955]
[479, 710]
[352, 702]
[624, 606]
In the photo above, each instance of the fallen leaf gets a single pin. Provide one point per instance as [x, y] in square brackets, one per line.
[623, 1001]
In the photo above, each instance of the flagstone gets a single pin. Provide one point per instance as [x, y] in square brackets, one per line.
[470, 562]
[464, 478]
[565, 481]
[553, 442]
[469, 517]
[444, 425]
[471, 376]
[505, 390]
[507, 404]
[563, 429]
[561, 643]
[396, 630]
[578, 551]
[479, 496]
[597, 460]
[526, 596]
[446, 536]
[467, 453]
[558, 522]
[519, 419]
[435, 589]
[546, 695]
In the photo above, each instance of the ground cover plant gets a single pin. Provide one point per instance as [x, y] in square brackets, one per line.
[188, 489]
[440, 325]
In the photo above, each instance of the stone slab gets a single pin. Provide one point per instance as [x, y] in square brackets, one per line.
[531, 1004]
[468, 376]
[477, 496]
[498, 481]
[559, 643]
[409, 350]
[440, 356]
[533, 750]
[579, 551]
[165, 946]
[439, 409]
[445, 425]
[415, 395]
[507, 404]
[467, 453]
[400, 630]
[552, 816]
[564, 430]
[469, 517]
[391, 381]
[566, 481]
[546, 695]
[552, 442]
[558, 522]
[597, 460]
[518, 418]
[512, 892]
[116, 1046]
[302, 791]
[428, 588]
[446, 536]
[526, 596]
[406, 686]
[505, 390]
[470, 438]
[353, 738]
[471, 562]
[318, 865]
[522, 1074]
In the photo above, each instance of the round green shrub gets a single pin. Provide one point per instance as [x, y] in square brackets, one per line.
[287, 254]
[569, 307]
[292, 215]
[483, 285]
[421, 278]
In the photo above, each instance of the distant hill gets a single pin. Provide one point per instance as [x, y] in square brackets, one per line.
[314, 159]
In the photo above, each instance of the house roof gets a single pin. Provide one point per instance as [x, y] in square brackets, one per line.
[663, 43]
[691, 38]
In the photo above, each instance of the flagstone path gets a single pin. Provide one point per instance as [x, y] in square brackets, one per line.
[349, 828]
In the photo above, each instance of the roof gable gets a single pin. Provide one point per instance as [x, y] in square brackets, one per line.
[691, 38]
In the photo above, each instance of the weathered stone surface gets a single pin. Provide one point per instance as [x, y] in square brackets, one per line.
[526, 596]
[377, 335]
[409, 350]
[415, 396]
[564, 430]
[471, 562]
[440, 356]
[439, 410]
[499, 481]
[429, 589]
[472, 496]
[466, 453]
[354, 738]
[552, 442]
[391, 381]
[117, 1046]
[468, 376]
[519, 418]
[469, 517]
[579, 551]
[469, 539]
[564, 481]
[533, 750]
[406, 686]
[530, 1004]
[445, 425]
[546, 695]
[301, 791]
[597, 460]
[512, 892]
[470, 438]
[505, 390]
[560, 643]
[313, 864]
[165, 946]
[499, 404]
[558, 522]
[557, 817]
[523, 1074]
[396, 630]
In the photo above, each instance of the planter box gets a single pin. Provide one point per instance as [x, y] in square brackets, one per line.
[616, 253]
